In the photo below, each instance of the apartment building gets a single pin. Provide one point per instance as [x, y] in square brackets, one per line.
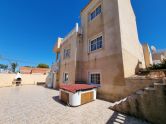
[103, 50]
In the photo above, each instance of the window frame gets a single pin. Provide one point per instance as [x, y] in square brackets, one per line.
[64, 77]
[96, 12]
[95, 73]
[95, 39]
[66, 53]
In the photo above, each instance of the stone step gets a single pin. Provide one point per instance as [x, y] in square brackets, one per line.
[149, 91]
[126, 107]
[159, 86]
[139, 92]
[164, 80]
[117, 108]
[118, 102]
[132, 104]
[148, 103]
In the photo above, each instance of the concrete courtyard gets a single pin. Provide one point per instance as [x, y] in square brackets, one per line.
[38, 105]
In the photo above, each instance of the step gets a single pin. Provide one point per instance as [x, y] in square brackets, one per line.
[160, 88]
[117, 108]
[149, 91]
[132, 104]
[126, 107]
[164, 80]
[140, 92]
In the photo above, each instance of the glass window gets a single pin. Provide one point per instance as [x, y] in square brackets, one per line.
[66, 77]
[66, 53]
[95, 13]
[95, 78]
[98, 10]
[99, 42]
[96, 44]
[93, 45]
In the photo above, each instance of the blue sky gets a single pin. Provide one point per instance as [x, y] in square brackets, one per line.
[29, 28]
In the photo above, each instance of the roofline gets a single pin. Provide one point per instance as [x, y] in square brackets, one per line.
[86, 6]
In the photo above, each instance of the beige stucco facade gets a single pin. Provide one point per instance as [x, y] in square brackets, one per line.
[120, 56]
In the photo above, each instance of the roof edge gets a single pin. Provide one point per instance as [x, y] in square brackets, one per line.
[86, 6]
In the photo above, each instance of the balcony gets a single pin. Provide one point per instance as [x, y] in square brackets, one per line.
[60, 41]
[76, 29]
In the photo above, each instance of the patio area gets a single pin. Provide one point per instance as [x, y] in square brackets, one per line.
[38, 105]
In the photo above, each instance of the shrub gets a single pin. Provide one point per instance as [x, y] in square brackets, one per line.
[158, 66]
[43, 66]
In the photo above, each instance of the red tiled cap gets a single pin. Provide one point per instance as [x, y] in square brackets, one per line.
[77, 87]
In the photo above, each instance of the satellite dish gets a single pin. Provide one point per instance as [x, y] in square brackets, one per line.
[153, 49]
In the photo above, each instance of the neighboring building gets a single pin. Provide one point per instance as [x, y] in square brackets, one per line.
[104, 50]
[25, 70]
[147, 55]
[29, 70]
[158, 55]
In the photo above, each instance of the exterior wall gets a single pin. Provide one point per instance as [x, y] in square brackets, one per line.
[27, 79]
[69, 65]
[147, 55]
[108, 60]
[131, 47]
[119, 56]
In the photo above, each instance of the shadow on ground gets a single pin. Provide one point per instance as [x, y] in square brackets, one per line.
[56, 99]
[118, 118]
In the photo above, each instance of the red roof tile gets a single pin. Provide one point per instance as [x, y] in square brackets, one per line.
[77, 87]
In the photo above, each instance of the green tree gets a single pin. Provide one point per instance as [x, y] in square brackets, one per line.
[158, 66]
[2, 66]
[42, 65]
[14, 66]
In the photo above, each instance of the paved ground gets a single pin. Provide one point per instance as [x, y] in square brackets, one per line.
[38, 105]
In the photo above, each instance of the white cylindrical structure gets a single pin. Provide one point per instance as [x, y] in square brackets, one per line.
[75, 98]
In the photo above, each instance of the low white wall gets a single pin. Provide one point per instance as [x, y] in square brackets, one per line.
[27, 79]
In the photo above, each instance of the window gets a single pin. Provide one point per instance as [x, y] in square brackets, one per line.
[95, 78]
[98, 10]
[66, 77]
[66, 53]
[95, 13]
[96, 44]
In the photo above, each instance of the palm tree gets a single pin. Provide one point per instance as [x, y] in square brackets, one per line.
[14, 66]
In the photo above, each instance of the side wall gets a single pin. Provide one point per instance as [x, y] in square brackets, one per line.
[131, 47]
[27, 79]
[69, 65]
